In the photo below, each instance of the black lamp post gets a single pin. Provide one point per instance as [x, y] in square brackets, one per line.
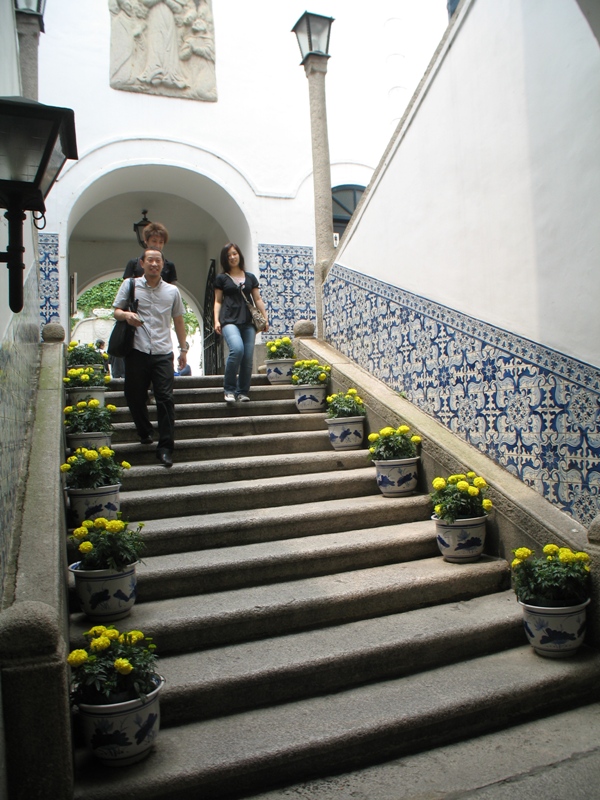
[35, 142]
[36, 7]
[138, 227]
[312, 32]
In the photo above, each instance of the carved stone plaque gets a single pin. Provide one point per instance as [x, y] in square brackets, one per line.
[164, 47]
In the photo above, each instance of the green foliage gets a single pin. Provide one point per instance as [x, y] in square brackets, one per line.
[345, 405]
[113, 664]
[279, 348]
[108, 543]
[310, 372]
[89, 469]
[100, 296]
[89, 417]
[460, 497]
[392, 443]
[560, 577]
[84, 355]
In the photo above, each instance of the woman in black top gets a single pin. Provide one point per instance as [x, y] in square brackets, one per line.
[233, 321]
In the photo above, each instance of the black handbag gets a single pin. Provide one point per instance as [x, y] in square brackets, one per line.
[120, 343]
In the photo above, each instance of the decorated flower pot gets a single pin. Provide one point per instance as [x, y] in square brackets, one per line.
[555, 632]
[119, 734]
[104, 501]
[86, 393]
[92, 440]
[461, 541]
[310, 398]
[346, 433]
[106, 595]
[397, 476]
[279, 370]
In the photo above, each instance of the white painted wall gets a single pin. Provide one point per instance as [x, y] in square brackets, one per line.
[488, 198]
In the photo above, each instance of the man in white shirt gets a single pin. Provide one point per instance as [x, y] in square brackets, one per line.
[151, 360]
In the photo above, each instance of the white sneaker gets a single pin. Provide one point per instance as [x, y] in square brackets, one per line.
[229, 397]
[243, 398]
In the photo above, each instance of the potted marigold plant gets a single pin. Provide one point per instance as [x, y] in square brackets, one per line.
[85, 355]
[345, 419]
[93, 479]
[279, 360]
[460, 509]
[394, 451]
[88, 424]
[115, 686]
[105, 575]
[310, 379]
[553, 590]
[82, 383]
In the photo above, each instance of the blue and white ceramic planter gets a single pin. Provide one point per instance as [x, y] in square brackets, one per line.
[397, 476]
[279, 370]
[104, 501]
[75, 395]
[346, 433]
[106, 595]
[92, 440]
[119, 734]
[310, 399]
[461, 541]
[555, 632]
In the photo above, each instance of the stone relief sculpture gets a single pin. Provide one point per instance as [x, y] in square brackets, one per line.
[164, 47]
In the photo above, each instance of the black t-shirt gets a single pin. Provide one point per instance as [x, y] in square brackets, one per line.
[234, 309]
[134, 269]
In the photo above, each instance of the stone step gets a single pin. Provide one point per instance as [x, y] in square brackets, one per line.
[229, 447]
[207, 620]
[237, 677]
[231, 528]
[239, 753]
[179, 501]
[239, 469]
[221, 409]
[231, 426]
[216, 570]
[195, 382]
[212, 394]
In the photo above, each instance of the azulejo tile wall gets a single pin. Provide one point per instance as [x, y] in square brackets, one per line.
[19, 357]
[287, 286]
[533, 410]
[49, 286]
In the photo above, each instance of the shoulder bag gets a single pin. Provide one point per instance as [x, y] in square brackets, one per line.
[259, 322]
[121, 339]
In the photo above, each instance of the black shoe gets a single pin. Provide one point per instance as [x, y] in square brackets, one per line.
[165, 458]
[146, 440]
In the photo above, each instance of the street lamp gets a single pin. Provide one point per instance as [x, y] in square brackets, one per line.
[312, 32]
[138, 227]
[35, 142]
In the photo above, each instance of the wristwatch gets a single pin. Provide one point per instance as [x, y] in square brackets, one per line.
[184, 349]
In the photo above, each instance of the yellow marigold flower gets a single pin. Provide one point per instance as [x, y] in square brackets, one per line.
[65, 467]
[115, 526]
[80, 533]
[91, 455]
[286, 340]
[273, 349]
[481, 483]
[372, 437]
[453, 479]
[358, 400]
[327, 368]
[566, 555]
[88, 523]
[329, 399]
[91, 346]
[385, 432]
[462, 486]
[97, 630]
[550, 550]
[299, 363]
[125, 464]
[100, 523]
[111, 408]
[278, 342]
[438, 510]
[86, 547]
[135, 636]
[415, 439]
[515, 562]
[123, 666]
[84, 378]
[94, 403]
[523, 553]
[76, 658]
[371, 449]
[66, 380]
[438, 484]
[269, 344]
[351, 391]
[107, 379]
[581, 556]
[99, 644]
[73, 343]
[471, 474]
[82, 404]
[68, 409]
[72, 373]
[473, 491]
[112, 633]
[487, 504]
[322, 376]
[403, 429]
[72, 460]
[295, 378]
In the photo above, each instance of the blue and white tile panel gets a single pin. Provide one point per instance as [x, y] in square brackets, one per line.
[286, 275]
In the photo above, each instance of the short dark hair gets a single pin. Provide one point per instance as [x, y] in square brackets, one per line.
[224, 261]
[152, 250]
[156, 229]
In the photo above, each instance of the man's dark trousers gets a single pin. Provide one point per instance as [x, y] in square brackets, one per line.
[141, 370]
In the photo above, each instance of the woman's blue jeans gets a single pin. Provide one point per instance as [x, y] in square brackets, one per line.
[238, 367]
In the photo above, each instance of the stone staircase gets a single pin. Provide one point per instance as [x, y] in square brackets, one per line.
[305, 624]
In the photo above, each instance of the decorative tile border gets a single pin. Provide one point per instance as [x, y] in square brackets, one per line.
[533, 410]
[286, 285]
[19, 355]
[49, 283]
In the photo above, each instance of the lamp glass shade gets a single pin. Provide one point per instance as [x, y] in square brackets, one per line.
[312, 31]
[31, 6]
